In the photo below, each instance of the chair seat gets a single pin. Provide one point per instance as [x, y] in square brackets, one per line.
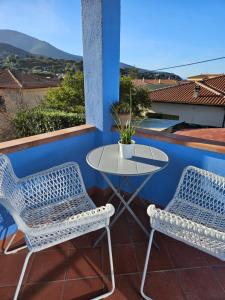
[55, 215]
[56, 212]
[197, 213]
[193, 224]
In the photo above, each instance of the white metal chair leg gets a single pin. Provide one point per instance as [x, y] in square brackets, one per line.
[146, 266]
[22, 275]
[111, 268]
[14, 250]
[96, 298]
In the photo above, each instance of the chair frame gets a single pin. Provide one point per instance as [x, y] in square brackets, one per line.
[105, 295]
[15, 250]
[202, 225]
[23, 199]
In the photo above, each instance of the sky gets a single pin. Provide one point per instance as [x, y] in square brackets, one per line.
[154, 33]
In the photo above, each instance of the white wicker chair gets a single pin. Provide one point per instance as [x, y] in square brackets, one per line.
[51, 207]
[195, 215]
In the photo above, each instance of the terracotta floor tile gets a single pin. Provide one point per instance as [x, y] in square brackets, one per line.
[43, 291]
[137, 234]
[120, 233]
[86, 240]
[163, 286]
[159, 258]
[200, 284]
[84, 262]
[213, 261]
[127, 287]
[11, 267]
[49, 266]
[7, 292]
[83, 289]
[183, 255]
[60, 247]
[123, 258]
[56, 272]
[219, 273]
[141, 212]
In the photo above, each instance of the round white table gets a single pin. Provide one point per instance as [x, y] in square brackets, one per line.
[146, 161]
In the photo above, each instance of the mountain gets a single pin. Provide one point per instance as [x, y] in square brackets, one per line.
[34, 46]
[15, 42]
[6, 49]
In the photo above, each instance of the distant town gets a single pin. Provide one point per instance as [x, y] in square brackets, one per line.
[43, 84]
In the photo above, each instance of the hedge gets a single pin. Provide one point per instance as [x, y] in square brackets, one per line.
[36, 121]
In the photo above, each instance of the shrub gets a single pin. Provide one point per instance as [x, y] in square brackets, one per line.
[79, 109]
[36, 121]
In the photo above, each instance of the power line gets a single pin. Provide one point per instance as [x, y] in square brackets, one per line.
[189, 64]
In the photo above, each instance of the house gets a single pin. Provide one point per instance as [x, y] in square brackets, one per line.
[198, 102]
[203, 76]
[18, 91]
[153, 84]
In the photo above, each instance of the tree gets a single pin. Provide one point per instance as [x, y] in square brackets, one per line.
[11, 61]
[126, 86]
[133, 72]
[139, 96]
[69, 95]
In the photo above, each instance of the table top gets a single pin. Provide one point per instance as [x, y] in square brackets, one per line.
[146, 160]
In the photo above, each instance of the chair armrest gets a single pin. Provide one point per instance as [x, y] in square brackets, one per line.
[160, 218]
[57, 183]
[102, 213]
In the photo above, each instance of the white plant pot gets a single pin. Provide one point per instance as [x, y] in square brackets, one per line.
[126, 150]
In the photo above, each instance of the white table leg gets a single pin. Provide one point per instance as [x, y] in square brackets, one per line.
[126, 204]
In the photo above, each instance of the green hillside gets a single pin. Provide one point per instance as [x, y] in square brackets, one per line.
[34, 46]
[21, 52]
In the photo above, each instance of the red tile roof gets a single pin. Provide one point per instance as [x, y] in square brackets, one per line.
[162, 81]
[212, 92]
[140, 83]
[204, 76]
[11, 80]
[147, 82]
[214, 134]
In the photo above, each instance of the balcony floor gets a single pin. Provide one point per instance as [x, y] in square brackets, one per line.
[74, 270]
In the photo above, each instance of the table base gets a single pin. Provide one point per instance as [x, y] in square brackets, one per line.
[117, 192]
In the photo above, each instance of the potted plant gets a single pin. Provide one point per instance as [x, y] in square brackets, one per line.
[123, 111]
[126, 143]
[126, 128]
[127, 131]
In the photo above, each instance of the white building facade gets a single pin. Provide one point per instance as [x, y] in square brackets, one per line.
[192, 113]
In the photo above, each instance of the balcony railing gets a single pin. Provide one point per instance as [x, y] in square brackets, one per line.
[64, 268]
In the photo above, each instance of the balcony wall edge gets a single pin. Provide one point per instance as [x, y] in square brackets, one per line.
[40, 139]
[197, 143]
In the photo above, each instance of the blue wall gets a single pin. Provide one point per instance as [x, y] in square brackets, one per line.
[42, 157]
[161, 187]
